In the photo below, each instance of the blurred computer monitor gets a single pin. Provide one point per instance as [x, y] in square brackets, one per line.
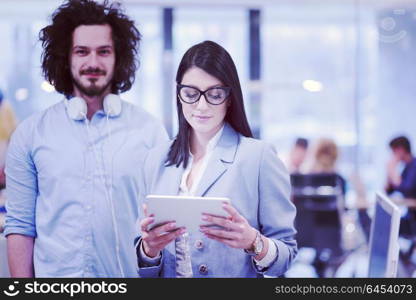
[384, 238]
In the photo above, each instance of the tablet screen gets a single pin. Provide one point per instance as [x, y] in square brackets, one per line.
[185, 210]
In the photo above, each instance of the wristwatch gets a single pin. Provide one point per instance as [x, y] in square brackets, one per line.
[256, 247]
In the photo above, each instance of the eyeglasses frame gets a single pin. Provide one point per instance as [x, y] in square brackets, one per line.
[225, 88]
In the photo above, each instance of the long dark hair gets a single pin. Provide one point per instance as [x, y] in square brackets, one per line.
[57, 40]
[216, 61]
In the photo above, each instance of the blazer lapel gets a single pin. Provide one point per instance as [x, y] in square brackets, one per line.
[222, 156]
[213, 172]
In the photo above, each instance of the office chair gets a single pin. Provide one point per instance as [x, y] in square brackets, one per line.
[319, 199]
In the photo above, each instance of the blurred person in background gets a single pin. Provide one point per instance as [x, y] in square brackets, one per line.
[298, 155]
[404, 182]
[7, 125]
[324, 158]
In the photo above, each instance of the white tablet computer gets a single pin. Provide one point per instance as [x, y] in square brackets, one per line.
[185, 210]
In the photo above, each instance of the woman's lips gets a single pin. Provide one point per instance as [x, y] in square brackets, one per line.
[202, 118]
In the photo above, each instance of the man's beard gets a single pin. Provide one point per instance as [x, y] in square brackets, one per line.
[91, 90]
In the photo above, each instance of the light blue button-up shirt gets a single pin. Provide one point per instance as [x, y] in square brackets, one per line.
[61, 177]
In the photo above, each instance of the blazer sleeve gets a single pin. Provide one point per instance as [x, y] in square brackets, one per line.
[276, 211]
[143, 269]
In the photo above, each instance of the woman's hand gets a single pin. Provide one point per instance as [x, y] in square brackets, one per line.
[237, 232]
[156, 239]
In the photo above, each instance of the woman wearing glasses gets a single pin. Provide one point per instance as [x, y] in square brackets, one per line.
[214, 154]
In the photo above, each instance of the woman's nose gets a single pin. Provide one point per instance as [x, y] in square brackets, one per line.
[202, 103]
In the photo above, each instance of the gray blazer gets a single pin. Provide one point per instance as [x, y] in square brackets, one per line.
[248, 172]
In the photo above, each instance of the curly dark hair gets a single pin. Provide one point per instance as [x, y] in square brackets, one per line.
[57, 40]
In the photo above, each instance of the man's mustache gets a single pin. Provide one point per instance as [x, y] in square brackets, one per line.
[93, 71]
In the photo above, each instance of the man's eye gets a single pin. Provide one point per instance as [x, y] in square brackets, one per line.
[105, 52]
[81, 52]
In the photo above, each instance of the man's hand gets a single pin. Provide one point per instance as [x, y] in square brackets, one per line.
[393, 177]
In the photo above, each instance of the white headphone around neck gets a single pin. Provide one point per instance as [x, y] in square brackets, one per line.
[76, 107]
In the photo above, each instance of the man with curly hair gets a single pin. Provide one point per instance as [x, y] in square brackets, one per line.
[72, 171]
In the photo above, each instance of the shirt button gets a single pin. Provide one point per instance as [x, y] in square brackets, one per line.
[199, 244]
[203, 269]
[88, 207]
[88, 238]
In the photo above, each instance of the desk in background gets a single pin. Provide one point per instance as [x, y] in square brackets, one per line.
[408, 202]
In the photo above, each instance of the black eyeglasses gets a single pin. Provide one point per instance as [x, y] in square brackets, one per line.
[214, 96]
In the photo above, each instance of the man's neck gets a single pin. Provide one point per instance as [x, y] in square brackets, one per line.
[93, 104]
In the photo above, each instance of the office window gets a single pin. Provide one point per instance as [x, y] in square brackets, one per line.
[311, 73]
[147, 89]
